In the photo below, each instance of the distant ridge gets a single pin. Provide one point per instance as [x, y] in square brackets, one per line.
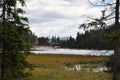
[64, 38]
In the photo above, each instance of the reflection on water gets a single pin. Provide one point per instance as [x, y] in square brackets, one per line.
[75, 67]
[80, 67]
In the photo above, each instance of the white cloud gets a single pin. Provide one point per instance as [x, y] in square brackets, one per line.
[55, 17]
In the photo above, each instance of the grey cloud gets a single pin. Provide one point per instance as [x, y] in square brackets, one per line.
[53, 15]
[69, 1]
[76, 2]
[40, 20]
[47, 17]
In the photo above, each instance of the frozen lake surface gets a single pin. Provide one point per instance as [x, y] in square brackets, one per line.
[49, 50]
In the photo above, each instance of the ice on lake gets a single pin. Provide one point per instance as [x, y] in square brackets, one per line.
[49, 50]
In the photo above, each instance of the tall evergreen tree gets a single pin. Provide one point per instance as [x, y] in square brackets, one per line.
[13, 27]
[113, 37]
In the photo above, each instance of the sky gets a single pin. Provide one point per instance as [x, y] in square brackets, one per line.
[59, 17]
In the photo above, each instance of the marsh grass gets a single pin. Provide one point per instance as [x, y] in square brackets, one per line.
[51, 67]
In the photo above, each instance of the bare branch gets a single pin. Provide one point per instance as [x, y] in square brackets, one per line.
[101, 5]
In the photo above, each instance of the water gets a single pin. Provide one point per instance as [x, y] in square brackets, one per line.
[50, 50]
[79, 67]
[76, 67]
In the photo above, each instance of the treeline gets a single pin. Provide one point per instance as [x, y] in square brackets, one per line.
[91, 39]
[45, 41]
[32, 39]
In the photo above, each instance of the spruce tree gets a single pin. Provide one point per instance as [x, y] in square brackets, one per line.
[13, 27]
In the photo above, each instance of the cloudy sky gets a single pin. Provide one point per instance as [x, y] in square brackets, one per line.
[58, 17]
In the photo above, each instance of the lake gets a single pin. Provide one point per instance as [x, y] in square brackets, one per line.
[51, 50]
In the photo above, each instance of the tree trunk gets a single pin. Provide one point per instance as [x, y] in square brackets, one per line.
[116, 76]
[117, 15]
[4, 43]
[116, 29]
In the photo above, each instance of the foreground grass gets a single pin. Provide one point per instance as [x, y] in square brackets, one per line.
[51, 67]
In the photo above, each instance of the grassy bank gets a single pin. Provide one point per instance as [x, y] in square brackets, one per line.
[51, 67]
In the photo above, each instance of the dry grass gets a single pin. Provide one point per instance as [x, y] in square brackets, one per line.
[50, 67]
[60, 59]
